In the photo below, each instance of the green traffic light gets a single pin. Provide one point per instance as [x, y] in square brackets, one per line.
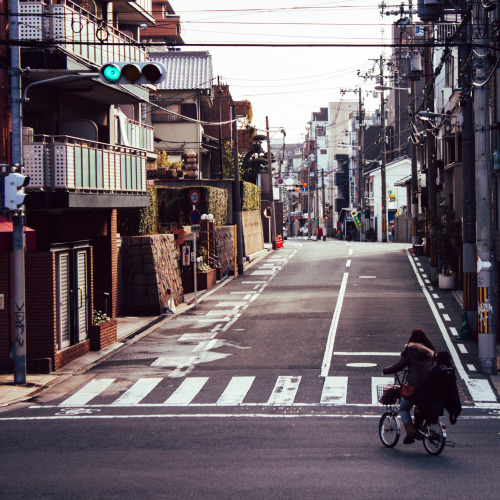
[111, 72]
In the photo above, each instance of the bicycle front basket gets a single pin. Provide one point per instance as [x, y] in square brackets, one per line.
[388, 394]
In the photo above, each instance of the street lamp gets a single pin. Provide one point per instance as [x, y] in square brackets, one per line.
[429, 115]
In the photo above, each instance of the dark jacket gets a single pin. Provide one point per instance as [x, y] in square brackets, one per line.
[438, 391]
[418, 359]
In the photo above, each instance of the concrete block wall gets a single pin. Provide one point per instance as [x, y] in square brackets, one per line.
[253, 236]
[146, 263]
[402, 229]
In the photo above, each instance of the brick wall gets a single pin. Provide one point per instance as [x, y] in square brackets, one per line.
[41, 317]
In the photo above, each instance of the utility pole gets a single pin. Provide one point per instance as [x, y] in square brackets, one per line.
[237, 196]
[431, 153]
[468, 181]
[383, 163]
[483, 175]
[221, 162]
[18, 250]
[414, 175]
[360, 158]
[271, 195]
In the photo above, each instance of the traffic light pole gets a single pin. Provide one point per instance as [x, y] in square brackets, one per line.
[18, 302]
[271, 195]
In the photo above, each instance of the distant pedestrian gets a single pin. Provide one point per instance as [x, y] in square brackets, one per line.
[438, 391]
[418, 358]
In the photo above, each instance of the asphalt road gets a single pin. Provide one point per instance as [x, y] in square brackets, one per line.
[265, 391]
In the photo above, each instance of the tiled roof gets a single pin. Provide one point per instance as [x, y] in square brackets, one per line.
[185, 70]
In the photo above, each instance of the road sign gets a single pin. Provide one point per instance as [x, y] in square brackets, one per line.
[194, 217]
[195, 228]
[304, 189]
[194, 197]
[280, 181]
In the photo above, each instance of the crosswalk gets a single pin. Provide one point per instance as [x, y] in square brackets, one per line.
[103, 392]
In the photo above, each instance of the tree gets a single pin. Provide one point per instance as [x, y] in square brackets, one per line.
[254, 160]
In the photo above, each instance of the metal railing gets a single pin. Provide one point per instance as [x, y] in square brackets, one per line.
[73, 164]
[77, 31]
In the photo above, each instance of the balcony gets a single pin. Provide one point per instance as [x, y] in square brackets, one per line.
[77, 32]
[77, 173]
[134, 134]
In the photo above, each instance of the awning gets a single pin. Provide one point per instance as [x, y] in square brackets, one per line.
[6, 236]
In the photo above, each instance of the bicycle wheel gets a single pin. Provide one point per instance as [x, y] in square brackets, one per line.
[388, 429]
[434, 438]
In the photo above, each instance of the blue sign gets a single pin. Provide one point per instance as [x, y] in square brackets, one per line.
[304, 189]
[194, 217]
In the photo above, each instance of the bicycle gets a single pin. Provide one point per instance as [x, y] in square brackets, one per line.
[432, 434]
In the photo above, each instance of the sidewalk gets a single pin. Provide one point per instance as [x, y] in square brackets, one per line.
[129, 327]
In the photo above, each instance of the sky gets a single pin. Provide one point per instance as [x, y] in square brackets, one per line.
[288, 84]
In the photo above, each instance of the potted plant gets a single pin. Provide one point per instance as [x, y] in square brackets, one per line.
[447, 233]
[103, 331]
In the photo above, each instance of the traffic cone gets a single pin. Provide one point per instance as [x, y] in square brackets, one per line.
[464, 329]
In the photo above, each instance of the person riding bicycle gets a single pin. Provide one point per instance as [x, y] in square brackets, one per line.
[418, 357]
[438, 392]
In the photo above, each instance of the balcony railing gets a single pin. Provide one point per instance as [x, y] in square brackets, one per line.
[72, 164]
[77, 31]
[133, 134]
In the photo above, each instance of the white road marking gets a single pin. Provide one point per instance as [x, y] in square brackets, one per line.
[334, 391]
[253, 282]
[186, 392]
[174, 361]
[229, 304]
[348, 263]
[350, 251]
[463, 349]
[427, 281]
[284, 391]
[88, 392]
[367, 277]
[137, 392]
[440, 305]
[365, 353]
[327, 359]
[453, 330]
[479, 389]
[435, 295]
[471, 368]
[194, 337]
[235, 392]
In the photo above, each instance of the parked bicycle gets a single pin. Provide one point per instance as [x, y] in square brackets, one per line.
[432, 434]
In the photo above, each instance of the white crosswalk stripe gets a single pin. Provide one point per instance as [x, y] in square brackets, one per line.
[334, 391]
[284, 391]
[186, 392]
[137, 392]
[88, 392]
[235, 393]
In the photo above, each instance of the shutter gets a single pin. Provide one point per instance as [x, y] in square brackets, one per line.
[82, 294]
[63, 298]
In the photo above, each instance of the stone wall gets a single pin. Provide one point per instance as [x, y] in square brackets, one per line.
[253, 236]
[224, 248]
[146, 263]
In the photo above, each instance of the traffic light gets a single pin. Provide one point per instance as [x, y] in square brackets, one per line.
[136, 73]
[14, 190]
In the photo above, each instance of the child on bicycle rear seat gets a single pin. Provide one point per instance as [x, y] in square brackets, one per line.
[438, 391]
[418, 358]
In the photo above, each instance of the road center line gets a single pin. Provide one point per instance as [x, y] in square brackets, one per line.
[327, 359]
